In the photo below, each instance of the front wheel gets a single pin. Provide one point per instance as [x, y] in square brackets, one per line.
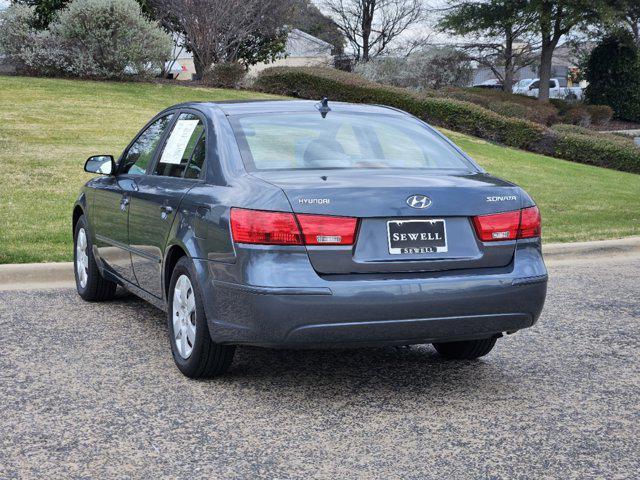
[466, 350]
[194, 352]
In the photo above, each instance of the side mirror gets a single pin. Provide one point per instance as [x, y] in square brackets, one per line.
[102, 164]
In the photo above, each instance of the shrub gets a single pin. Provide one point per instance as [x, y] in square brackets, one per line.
[225, 75]
[613, 73]
[438, 67]
[594, 149]
[562, 106]
[577, 115]
[567, 142]
[432, 68]
[91, 39]
[110, 38]
[600, 114]
[16, 27]
[508, 109]
[386, 70]
[507, 104]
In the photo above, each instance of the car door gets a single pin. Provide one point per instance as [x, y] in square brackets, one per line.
[110, 209]
[178, 166]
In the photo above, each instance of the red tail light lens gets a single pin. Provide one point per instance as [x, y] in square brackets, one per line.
[523, 223]
[325, 230]
[530, 223]
[496, 227]
[281, 228]
[267, 228]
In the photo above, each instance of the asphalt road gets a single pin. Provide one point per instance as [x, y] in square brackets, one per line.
[90, 391]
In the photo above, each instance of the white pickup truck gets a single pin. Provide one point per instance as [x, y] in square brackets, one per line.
[557, 88]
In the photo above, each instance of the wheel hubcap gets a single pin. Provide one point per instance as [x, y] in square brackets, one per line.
[82, 259]
[184, 316]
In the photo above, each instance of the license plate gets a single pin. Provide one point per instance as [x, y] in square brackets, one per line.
[416, 236]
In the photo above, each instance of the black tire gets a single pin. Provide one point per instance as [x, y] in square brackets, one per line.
[96, 288]
[207, 358]
[466, 350]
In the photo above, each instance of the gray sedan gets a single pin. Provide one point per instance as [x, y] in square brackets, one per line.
[304, 224]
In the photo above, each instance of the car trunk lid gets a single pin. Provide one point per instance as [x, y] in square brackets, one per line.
[379, 199]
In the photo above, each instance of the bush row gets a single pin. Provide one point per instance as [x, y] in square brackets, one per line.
[567, 143]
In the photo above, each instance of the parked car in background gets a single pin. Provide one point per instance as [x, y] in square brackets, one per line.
[296, 224]
[522, 86]
[558, 88]
[493, 83]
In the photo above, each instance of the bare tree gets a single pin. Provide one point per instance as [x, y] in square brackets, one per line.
[370, 26]
[221, 30]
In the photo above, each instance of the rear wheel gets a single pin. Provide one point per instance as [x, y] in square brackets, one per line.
[466, 350]
[91, 285]
[196, 355]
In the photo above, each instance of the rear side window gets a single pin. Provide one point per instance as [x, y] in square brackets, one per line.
[183, 153]
[342, 140]
[140, 153]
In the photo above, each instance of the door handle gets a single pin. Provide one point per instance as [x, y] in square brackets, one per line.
[124, 203]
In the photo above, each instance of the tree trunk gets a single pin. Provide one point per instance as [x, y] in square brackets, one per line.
[548, 46]
[199, 66]
[507, 83]
[546, 56]
[368, 8]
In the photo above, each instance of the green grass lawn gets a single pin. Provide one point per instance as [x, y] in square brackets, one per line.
[49, 127]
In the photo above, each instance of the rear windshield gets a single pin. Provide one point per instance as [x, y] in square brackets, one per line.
[286, 141]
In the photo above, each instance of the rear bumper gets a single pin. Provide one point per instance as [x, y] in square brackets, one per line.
[350, 310]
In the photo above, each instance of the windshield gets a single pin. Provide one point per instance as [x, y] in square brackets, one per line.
[284, 141]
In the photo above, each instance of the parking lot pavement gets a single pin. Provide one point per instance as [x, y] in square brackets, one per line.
[90, 390]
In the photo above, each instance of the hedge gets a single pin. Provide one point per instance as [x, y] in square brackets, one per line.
[457, 115]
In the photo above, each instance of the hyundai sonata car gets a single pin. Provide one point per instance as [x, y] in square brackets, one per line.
[304, 224]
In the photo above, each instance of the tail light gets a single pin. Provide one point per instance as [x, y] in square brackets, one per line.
[282, 228]
[523, 223]
[325, 230]
[267, 228]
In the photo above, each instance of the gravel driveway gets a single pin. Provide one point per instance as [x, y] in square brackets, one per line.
[90, 391]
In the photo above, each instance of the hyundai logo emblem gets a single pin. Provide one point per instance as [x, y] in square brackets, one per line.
[418, 201]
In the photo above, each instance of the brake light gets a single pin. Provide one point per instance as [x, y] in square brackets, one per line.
[523, 223]
[267, 228]
[282, 228]
[530, 223]
[326, 230]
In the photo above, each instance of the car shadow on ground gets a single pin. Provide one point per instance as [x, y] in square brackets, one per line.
[331, 372]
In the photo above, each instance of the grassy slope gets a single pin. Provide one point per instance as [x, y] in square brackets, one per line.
[578, 202]
[47, 130]
[49, 127]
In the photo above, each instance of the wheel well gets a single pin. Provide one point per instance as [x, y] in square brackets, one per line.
[77, 213]
[175, 254]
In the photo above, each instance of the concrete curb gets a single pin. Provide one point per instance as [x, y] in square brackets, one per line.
[58, 275]
[36, 275]
[558, 251]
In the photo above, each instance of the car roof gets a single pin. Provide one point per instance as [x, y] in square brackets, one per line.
[243, 107]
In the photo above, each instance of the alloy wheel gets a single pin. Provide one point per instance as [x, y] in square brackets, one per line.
[184, 316]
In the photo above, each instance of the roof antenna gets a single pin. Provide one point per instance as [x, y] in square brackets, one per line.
[323, 107]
